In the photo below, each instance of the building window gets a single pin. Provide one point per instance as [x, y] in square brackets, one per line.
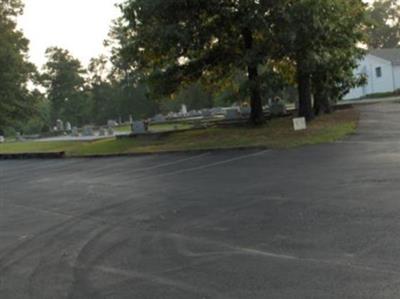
[378, 72]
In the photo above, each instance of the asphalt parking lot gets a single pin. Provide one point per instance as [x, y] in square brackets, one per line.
[316, 222]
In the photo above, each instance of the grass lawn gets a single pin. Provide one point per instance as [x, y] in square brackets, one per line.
[277, 134]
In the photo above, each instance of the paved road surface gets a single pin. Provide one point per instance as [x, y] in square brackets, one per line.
[316, 222]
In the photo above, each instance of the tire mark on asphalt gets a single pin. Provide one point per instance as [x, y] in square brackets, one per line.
[162, 281]
[168, 163]
[261, 253]
[211, 165]
[36, 244]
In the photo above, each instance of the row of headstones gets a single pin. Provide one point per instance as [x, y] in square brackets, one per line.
[276, 108]
[60, 127]
[193, 113]
[88, 132]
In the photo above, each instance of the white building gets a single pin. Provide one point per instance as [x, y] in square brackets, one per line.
[382, 69]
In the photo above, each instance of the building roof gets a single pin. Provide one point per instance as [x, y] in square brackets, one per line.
[392, 55]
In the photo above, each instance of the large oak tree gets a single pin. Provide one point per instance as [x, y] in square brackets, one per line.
[323, 38]
[174, 42]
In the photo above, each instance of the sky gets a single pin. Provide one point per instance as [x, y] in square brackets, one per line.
[80, 26]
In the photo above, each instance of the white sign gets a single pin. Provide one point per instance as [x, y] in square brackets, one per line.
[1, 139]
[299, 124]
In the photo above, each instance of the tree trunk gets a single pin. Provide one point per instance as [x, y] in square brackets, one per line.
[257, 114]
[322, 102]
[318, 100]
[304, 86]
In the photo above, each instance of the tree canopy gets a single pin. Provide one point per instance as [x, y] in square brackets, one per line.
[63, 78]
[384, 30]
[16, 101]
[198, 52]
[176, 42]
[322, 37]
[173, 43]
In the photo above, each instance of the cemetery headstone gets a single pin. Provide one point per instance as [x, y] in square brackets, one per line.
[277, 107]
[75, 132]
[139, 127]
[206, 113]
[60, 125]
[184, 110]
[102, 132]
[159, 118]
[217, 111]
[112, 123]
[110, 131]
[88, 131]
[195, 113]
[68, 126]
[2, 139]
[19, 137]
[245, 110]
[232, 114]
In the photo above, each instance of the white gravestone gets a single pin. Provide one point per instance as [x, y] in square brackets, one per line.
[2, 139]
[184, 110]
[112, 123]
[75, 132]
[206, 113]
[60, 125]
[68, 127]
[88, 131]
[102, 132]
[110, 131]
[299, 124]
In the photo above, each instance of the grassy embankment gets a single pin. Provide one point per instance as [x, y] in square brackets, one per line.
[277, 134]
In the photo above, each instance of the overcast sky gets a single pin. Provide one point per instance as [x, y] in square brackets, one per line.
[77, 25]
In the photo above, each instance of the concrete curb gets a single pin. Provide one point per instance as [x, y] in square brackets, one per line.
[62, 155]
[28, 156]
[185, 152]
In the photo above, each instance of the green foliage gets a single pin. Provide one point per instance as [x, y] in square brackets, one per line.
[195, 97]
[16, 102]
[384, 29]
[322, 37]
[63, 78]
[175, 42]
[40, 121]
[277, 134]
